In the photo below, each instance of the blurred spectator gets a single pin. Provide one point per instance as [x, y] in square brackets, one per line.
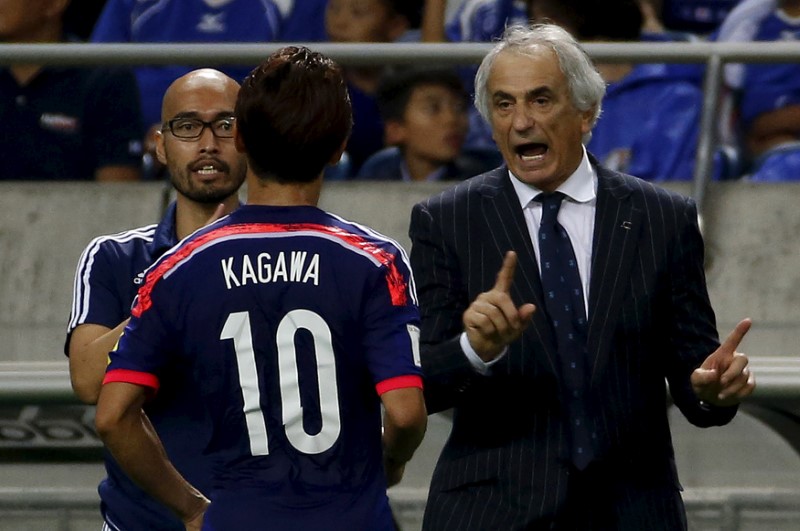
[779, 164]
[766, 95]
[741, 25]
[81, 16]
[770, 92]
[65, 123]
[650, 121]
[368, 21]
[425, 121]
[150, 21]
[473, 21]
[485, 20]
[693, 16]
[303, 20]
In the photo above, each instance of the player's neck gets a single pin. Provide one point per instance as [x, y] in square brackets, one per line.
[190, 215]
[271, 193]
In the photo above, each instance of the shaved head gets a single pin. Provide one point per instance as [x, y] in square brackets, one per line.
[204, 79]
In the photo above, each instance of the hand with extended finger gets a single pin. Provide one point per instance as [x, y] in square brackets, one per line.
[724, 378]
[493, 321]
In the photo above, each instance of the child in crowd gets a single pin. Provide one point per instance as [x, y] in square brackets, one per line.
[350, 21]
[425, 122]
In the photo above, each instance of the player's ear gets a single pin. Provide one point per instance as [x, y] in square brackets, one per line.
[157, 139]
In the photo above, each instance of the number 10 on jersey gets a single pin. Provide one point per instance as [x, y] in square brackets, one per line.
[237, 328]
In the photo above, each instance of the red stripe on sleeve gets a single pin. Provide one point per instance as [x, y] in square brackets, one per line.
[133, 377]
[399, 382]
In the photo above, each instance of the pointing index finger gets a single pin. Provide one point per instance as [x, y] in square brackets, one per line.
[731, 343]
[505, 277]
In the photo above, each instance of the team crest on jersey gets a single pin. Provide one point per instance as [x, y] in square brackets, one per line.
[211, 23]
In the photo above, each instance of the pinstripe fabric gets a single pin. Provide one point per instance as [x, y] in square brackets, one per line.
[505, 464]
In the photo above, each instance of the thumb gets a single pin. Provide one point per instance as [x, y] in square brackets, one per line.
[526, 312]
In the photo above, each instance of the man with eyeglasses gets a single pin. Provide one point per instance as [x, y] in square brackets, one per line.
[196, 144]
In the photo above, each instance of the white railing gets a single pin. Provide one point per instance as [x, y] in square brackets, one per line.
[713, 54]
[47, 382]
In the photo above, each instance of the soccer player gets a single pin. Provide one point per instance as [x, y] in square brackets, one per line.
[196, 144]
[296, 326]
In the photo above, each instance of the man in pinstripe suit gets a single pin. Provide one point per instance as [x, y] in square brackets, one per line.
[489, 345]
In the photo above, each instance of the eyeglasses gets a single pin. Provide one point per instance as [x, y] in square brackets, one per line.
[192, 128]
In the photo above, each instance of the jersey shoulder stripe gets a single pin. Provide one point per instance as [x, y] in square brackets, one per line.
[177, 256]
[81, 287]
[400, 250]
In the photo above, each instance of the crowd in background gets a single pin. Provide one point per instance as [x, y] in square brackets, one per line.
[98, 123]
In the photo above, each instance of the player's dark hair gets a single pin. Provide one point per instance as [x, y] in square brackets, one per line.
[293, 113]
[395, 90]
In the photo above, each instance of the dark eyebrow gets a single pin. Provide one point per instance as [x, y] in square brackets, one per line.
[531, 94]
[500, 95]
[539, 91]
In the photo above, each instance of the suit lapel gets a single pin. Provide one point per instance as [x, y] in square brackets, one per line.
[500, 202]
[617, 227]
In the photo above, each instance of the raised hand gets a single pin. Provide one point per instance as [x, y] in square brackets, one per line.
[493, 321]
[724, 378]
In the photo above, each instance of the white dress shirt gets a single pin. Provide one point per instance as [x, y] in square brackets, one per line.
[576, 215]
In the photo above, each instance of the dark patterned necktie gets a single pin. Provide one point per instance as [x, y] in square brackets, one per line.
[563, 296]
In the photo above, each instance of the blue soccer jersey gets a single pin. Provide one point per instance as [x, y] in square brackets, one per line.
[292, 322]
[110, 271]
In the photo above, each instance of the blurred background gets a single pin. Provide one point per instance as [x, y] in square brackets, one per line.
[739, 161]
